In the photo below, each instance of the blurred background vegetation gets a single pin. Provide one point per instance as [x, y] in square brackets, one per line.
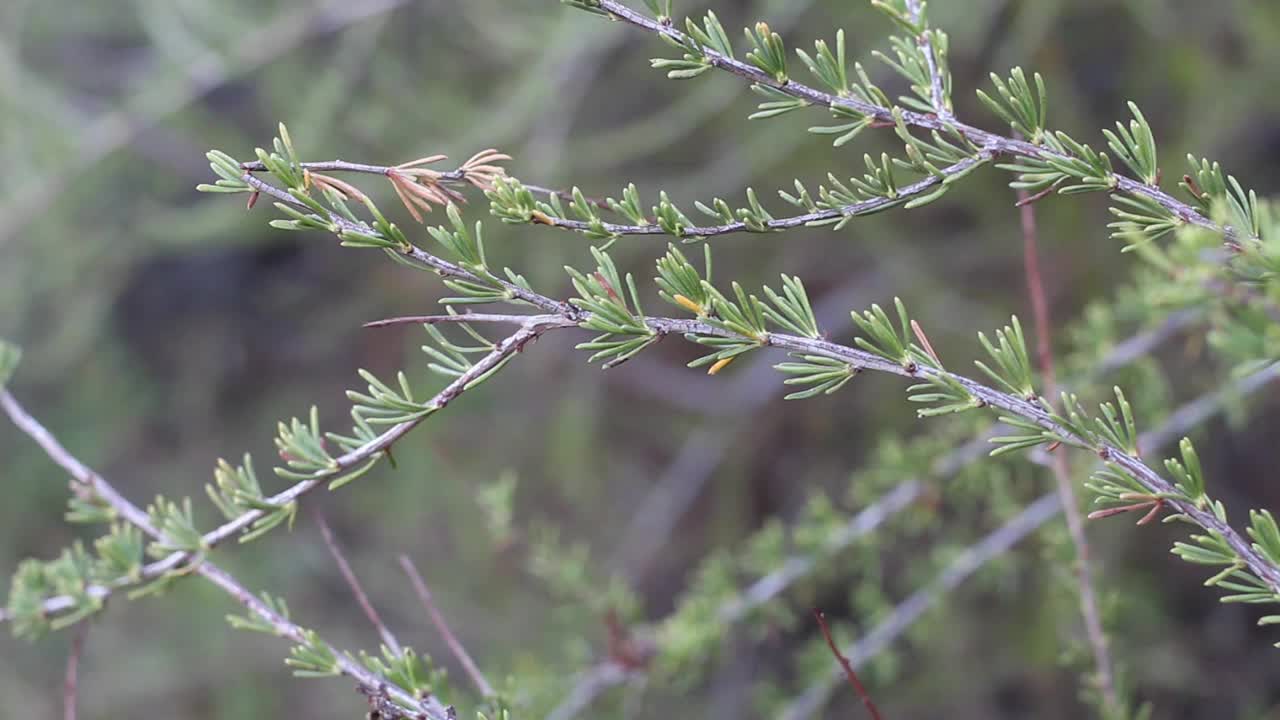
[164, 330]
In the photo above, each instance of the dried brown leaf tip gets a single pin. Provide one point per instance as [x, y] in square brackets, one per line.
[420, 188]
[328, 182]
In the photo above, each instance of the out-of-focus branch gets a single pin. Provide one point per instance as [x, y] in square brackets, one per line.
[71, 681]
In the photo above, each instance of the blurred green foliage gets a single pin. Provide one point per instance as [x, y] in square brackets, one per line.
[163, 331]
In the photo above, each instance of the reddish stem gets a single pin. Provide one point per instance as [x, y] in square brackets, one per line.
[848, 667]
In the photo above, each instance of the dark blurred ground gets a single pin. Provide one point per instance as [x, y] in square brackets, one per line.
[166, 329]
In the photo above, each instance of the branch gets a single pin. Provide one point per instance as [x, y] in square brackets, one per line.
[442, 267]
[1002, 539]
[871, 517]
[990, 142]
[863, 208]
[60, 604]
[602, 677]
[96, 484]
[1029, 410]
[437, 619]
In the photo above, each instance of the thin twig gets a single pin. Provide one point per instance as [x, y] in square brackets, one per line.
[437, 618]
[848, 669]
[864, 207]
[388, 638]
[94, 483]
[1061, 473]
[71, 683]
[459, 318]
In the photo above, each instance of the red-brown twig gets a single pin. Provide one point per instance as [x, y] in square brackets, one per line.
[437, 619]
[71, 683]
[848, 667]
[349, 575]
[1061, 473]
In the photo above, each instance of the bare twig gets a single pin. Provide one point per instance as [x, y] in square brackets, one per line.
[71, 683]
[1061, 473]
[388, 638]
[437, 618]
[848, 669]
[94, 483]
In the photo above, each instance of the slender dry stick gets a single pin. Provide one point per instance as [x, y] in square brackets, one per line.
[906, 613]
[848, 669]
[71, 682]
[97, 485]
[437, 618]
[1061, 472]
[388, 638]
